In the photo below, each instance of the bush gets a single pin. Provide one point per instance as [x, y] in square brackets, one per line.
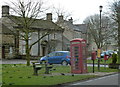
[114, 66]
[114, 58]
[114, 63]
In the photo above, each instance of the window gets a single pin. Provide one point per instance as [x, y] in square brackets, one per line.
[11, 50]
[59, 54]
[23, 50]
[51, 54]
[68, 53]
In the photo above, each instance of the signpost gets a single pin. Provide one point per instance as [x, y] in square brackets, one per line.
[99, 56]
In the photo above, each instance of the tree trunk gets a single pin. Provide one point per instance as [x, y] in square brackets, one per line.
[119, 41]
[27, 53]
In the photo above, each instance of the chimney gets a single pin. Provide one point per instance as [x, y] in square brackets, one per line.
[49, 16]
[60, 18]
[5, 10]
[71, 20]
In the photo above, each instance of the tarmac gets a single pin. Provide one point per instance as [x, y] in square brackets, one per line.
[99, 74]
[21, 61]
[14, 61]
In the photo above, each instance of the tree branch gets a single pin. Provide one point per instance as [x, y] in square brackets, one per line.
[47, 33]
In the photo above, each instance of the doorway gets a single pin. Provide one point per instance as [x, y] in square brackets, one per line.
[43, 51]
[44, 45]
[3, 52]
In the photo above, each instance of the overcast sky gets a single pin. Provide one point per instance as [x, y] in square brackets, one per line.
[80, 8]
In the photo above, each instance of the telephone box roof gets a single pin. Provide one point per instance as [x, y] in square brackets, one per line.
[77, 39]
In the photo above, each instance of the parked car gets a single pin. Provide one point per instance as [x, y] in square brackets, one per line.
[105, 52]
[57, 57]
[108, 53]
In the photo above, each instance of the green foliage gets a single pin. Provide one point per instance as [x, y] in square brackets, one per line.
[114, 58]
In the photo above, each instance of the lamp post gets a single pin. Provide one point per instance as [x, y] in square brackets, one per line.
[100, 8]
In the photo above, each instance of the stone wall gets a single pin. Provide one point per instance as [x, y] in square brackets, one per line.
[0, 39]
[8, 43]
[0, 52]
[9, 39]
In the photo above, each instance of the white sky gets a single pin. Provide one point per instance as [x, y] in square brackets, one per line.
[80, 8]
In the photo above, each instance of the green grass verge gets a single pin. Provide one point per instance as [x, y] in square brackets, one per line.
[0, 74]
[23, 75]
[102, 69]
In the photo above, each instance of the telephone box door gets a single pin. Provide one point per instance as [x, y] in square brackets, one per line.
[75, 61]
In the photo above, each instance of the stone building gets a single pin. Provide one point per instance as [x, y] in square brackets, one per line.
[64, 31]
[7, 42]
[11, 43]
[71, 31]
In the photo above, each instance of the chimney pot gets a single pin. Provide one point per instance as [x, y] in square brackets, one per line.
[71, 20]
[60, 18]
[49, 16]
[5, 10]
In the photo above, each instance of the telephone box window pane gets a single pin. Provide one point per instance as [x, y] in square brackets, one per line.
[83, 42]
[84, 57]
[75, 55]
[75, 42]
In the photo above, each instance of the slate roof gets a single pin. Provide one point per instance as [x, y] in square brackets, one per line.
[76, 27]
[81, 27]
[5, 30]
[40, 24]
[67, 25]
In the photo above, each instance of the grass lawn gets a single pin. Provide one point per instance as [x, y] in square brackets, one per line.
[0, 73]
[23, 75]
[102, 69]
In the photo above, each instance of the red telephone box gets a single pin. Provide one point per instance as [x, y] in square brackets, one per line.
[78, 56]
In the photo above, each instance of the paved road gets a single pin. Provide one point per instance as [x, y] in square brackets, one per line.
[107, 80]
[19, 61]
[15, 61]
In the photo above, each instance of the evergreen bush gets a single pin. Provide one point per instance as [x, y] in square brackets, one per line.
[114, 58]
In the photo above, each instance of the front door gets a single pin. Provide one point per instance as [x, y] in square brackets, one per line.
[3, 51]
[43, 51]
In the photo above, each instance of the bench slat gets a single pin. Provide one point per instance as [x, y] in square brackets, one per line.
[38, 66]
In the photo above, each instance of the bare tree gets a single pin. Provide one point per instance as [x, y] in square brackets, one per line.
[28, 12]
[115, 9]
[102, 37]
[62, 11]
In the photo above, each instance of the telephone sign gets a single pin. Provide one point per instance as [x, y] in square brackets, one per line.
[98, 53]
[78, 56]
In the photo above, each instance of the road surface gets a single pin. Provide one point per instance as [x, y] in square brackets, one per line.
[106, 81]
[19, 61]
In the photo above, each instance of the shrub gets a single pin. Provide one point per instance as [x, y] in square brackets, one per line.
[114, 58]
